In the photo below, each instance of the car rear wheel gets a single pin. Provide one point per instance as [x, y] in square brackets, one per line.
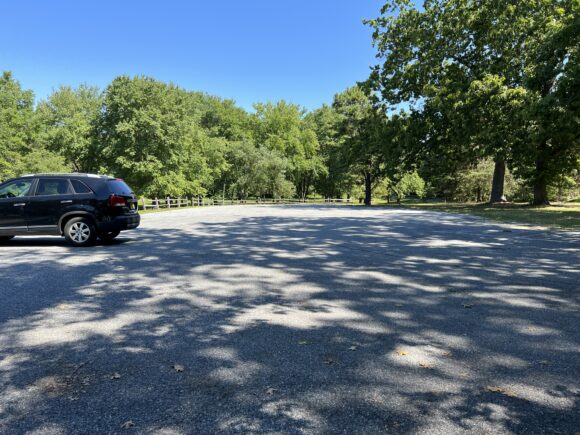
[109, 236]
[6, 238]
[80, 231]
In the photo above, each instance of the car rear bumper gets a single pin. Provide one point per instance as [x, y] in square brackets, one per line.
[120, 223]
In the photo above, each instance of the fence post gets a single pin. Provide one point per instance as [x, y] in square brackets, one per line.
[156, 202]
[143, 202]
[168, 201]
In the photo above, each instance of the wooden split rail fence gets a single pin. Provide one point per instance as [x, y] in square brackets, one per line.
[168, 202]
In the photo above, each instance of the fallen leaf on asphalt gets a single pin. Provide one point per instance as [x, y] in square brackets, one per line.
[401, 352]
[178, 368]
[116, 376]
[425, 365]
[328, 360]
[303, 342]
[270, 391]
[467, 305]
[52, 385]
[499, 390]
[447, 354]
[353, 348]
[128, 424]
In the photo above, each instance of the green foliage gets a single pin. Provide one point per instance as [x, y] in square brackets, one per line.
[410, 182]
[272, 168]
[484, 79]
[565, 187]
[337, 178]
[16, 123]
[39, 161]
[282, 128]
[148, 135]
[20, 148]
[360, 132]
[474, 184]
[68, 118]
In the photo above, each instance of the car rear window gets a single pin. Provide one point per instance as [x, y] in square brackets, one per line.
[119, 187]
[80, 187]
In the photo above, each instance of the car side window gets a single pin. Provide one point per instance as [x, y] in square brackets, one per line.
[15, 189]
[52, 186]
[80, 187]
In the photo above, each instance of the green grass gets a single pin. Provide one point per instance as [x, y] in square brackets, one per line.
[565, 215]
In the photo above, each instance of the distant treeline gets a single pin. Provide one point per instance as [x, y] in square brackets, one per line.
[471, 100]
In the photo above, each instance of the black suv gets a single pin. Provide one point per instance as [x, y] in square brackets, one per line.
[81, 207]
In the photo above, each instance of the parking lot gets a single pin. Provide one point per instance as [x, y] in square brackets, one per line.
[293, 319]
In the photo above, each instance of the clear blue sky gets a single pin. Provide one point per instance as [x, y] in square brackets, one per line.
[303, 51]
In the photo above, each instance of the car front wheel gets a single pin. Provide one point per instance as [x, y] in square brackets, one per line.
[80, 232]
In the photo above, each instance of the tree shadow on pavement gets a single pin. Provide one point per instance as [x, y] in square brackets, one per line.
[293, 320]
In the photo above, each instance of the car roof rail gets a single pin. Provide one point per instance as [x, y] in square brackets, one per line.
[74, 174]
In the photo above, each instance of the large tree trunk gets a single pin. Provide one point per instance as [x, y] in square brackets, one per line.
[541, 192]
[368, 188]
[498, 181]
[540, 179]
[540, 182]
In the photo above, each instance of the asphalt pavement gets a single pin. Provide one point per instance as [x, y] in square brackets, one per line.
[293, 319]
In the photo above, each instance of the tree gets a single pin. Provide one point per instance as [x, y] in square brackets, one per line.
[553, 78]
[361, 133]
[474, 183]
[282, 127]
[432, 57]
[16, 123]
[20, 148]
[410, 182]
[335, 179]
[68, 118]
[242, 174]
[148, 133]
[222, 118]
[271, 171]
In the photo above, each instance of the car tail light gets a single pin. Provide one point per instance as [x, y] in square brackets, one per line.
[117, 201]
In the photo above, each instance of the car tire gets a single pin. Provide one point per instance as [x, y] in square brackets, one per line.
[80, 231]
[5, 238]
[109, 236]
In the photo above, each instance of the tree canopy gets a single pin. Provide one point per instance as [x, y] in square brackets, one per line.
[487, 78]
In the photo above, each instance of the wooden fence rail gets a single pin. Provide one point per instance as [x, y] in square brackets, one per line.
[195, 201]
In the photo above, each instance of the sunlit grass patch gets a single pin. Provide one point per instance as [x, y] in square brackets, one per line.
[562, 215]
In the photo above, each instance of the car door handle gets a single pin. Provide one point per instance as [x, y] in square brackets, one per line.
[20, 204]
[66, 201]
